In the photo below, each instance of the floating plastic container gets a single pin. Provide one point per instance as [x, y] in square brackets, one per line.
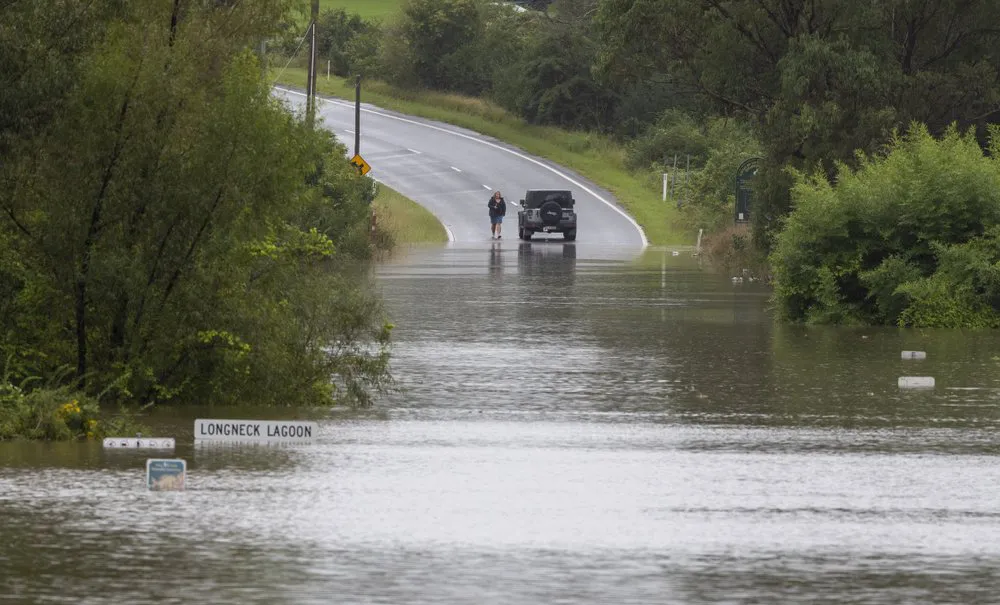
[914, 355]
[916, 382]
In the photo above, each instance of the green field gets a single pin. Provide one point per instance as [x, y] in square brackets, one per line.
[594, 156]
[369, 9]
[407, 221]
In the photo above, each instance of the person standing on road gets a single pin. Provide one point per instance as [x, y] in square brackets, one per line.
[498, 209]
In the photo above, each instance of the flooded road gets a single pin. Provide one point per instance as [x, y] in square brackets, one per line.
[573, 426]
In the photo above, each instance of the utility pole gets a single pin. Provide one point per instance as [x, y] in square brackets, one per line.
[357, 115]
[311, 76]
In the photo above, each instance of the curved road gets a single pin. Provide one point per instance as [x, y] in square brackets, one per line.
[452, 172]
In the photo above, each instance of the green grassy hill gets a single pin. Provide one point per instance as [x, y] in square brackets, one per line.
[369, 9]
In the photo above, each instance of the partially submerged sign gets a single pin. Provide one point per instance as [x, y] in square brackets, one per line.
[165, 474]
[138, 443]
[254, 430]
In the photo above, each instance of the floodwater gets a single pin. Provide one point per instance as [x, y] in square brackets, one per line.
[568, 430]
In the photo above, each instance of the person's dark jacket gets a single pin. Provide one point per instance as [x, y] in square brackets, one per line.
[497, 207]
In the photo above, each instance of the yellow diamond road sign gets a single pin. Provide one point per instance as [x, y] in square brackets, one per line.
[359, 162]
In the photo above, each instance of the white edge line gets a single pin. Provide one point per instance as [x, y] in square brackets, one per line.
[487, 187]
[349, 131]
[642, 234]
[413, 150]
[395, 156]
[455, 169]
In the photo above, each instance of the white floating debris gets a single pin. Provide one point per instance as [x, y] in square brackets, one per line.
[675, 253]
[139, 443]
[916, 382]
[914, 355]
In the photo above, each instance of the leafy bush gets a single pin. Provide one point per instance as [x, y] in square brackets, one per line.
[52, 414]
[432, 34]
[675, 133]
[337, 38]
[910, 238]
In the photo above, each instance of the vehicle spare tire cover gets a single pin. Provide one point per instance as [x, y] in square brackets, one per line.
[551, 212]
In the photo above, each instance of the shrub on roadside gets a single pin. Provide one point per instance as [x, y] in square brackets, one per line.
[908, 239]
[50, 414]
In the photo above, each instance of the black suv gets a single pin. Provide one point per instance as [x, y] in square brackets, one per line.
[549, 211]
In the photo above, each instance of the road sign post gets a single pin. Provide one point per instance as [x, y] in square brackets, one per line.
[357, 116]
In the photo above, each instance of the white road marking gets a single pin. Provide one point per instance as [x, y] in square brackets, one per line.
[487, 187]
[392, 156]
[455, 169]
[349, 131]
[413, 150]
[451, 236]
[642, 234]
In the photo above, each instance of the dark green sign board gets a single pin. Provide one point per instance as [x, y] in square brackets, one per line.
[165, 474]
[744, 189]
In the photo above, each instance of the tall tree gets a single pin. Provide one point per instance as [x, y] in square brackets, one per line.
[821, 78]
[176, 225]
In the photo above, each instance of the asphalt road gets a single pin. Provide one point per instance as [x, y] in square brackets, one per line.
[452, 172]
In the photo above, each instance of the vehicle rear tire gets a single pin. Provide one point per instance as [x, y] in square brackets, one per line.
[570, 235]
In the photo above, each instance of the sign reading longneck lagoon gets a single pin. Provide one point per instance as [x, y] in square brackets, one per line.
[254, 430]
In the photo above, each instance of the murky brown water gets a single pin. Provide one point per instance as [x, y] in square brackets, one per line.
[570, 431]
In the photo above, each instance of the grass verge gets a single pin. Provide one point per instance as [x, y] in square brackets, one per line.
[594, 156]
[407, 221]
[366, 9]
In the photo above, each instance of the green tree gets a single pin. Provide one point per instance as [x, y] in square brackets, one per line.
[175, 225]
[434, 33]
[820, 79]
[338, 33]
[910, 238]
[550, 80]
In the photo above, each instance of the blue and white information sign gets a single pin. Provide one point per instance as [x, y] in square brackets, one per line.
[165, 475]
[262, 431]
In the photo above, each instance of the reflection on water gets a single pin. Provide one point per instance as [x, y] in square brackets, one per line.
[575, 426]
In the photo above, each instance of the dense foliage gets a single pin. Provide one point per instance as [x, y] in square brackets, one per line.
[165, 224]
[817, 79]
[909, 239]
